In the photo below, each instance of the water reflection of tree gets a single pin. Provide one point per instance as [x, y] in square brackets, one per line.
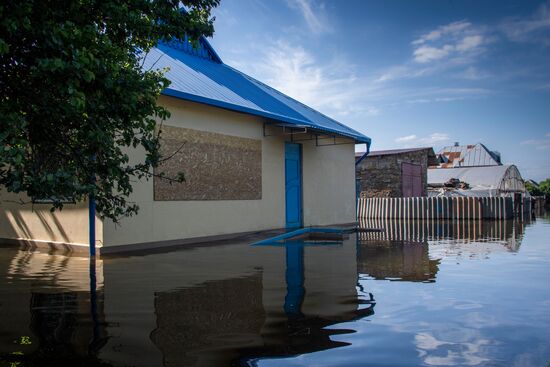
[67, 325]
[64, 325]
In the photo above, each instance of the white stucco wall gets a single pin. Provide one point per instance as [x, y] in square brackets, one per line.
[328, 193]
[169, 220]
[328, 181]
[37, 223]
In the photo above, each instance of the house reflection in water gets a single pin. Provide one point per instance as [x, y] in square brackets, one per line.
[412, 250]
[51, 309]
[407, 261]
[223, 304]
[218, 305]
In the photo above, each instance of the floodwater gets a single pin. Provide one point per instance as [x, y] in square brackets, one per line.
[437, 294]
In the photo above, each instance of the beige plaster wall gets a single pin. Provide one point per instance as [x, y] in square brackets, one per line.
[328, 178]
[37, 223]
[170, 220]
[328, 193]
[328, 183]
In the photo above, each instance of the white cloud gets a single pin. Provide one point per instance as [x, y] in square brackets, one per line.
[457, 39]
[539, 144]
[469, 43]
[529, 29]
[409, 141]
[436, 34]
[328, 85]
[313, 15]
[472, 73]
[427, 53]
[406, 138]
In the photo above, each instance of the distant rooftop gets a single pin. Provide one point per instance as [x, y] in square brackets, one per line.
[359, 156]
[504, 178]
[474, 155]
[395, 151]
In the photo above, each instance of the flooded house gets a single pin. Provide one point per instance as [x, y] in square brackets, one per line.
[394, 173]
[254, 159]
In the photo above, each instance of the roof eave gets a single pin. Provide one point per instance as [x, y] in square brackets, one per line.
[359, 139]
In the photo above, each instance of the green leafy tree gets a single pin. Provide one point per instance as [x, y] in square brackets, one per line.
[74, 96]
[533, 189]
[545, 187]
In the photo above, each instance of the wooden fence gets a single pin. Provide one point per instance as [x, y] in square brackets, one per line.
[443, 208]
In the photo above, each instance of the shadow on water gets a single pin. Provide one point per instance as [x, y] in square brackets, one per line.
[220, 305]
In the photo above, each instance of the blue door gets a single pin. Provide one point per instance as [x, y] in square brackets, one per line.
[293, 185]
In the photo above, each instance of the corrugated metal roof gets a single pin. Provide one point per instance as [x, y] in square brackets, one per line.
[468, 156]
[504, 177]
[202, 77]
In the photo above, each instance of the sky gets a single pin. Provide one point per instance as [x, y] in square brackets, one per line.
[406, 73]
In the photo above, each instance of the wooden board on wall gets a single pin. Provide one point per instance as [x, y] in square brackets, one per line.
[216, 166]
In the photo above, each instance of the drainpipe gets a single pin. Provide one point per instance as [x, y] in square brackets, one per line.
[91, 222]
[91, 215]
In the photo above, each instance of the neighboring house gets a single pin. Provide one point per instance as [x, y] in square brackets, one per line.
[467, 156]
[481, 181]
[254, 159]
[394, 173]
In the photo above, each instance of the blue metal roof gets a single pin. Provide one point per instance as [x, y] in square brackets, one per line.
[199, 75]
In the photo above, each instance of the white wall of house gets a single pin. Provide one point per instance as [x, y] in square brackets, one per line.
[328, 186]
[328, 183]
[170, 220]
[37, 223]
[328, 193]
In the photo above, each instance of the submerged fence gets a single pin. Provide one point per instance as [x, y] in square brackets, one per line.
[443, 208]
[505, 231]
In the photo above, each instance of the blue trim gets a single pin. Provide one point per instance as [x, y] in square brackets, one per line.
[280, 238]
[363, 156]
[233, 107]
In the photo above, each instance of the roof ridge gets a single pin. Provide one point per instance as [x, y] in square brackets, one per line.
[184, 47]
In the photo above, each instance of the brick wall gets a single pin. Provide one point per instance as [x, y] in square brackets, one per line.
[380, 176]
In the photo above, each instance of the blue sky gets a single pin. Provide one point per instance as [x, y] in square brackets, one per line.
[406, 73]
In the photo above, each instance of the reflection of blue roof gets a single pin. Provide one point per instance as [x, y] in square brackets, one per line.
[201, 76]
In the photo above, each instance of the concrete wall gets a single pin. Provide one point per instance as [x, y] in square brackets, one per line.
[36, 223]
[380, 176]
[328, 178]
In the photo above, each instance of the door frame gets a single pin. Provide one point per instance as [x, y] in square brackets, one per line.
[301, 186]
